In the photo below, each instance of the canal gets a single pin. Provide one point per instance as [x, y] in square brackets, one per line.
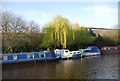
[93, 67]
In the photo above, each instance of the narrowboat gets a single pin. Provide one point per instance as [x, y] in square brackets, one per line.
[110, 49]
[27, 57]
[66, 54]
[90, 51]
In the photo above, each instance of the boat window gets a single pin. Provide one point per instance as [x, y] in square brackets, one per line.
[66, 51]
[87, 50]
[30, 55]
[80, 50]
[108, 48]
[42, 55]
[74, 53]
[62, 52]
[105, 48]
[57, 52]
[70, 53]
[116, 48]
[14, 57]
[84, 51]
[4, 57]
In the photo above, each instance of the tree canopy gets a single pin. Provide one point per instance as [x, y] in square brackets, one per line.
[61, 33]
[82, 36]
[57, 32]
[18, 35]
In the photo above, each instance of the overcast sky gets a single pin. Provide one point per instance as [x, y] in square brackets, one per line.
[89, 14]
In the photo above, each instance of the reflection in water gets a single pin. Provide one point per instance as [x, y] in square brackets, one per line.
[94, 67]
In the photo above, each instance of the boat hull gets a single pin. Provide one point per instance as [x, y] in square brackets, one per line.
[74, 56]
[91, 54]
[27, 57]
[31, 61]
[110, 52]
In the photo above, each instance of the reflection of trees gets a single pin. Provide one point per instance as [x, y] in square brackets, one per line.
[71, 69]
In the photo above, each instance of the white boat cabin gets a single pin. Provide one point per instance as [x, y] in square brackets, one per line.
[62, 52]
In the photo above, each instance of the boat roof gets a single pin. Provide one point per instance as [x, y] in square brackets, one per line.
[21, 53]
[61, 49]
[73, 51]
[110, 46]
[93, 48]
[84, 49]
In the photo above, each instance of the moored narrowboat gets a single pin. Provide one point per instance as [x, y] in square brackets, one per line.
[110, 49]
[27, 57]
[90, 51]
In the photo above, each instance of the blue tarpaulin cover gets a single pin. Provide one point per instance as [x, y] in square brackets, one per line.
[93, 48]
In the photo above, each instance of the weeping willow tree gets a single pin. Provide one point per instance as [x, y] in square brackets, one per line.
[83, 36]
[57, 33]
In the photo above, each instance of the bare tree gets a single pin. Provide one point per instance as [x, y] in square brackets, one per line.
[12, 22]
[32, 27]
[16, 31]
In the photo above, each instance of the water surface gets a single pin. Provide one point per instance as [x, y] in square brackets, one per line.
[93, 67]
